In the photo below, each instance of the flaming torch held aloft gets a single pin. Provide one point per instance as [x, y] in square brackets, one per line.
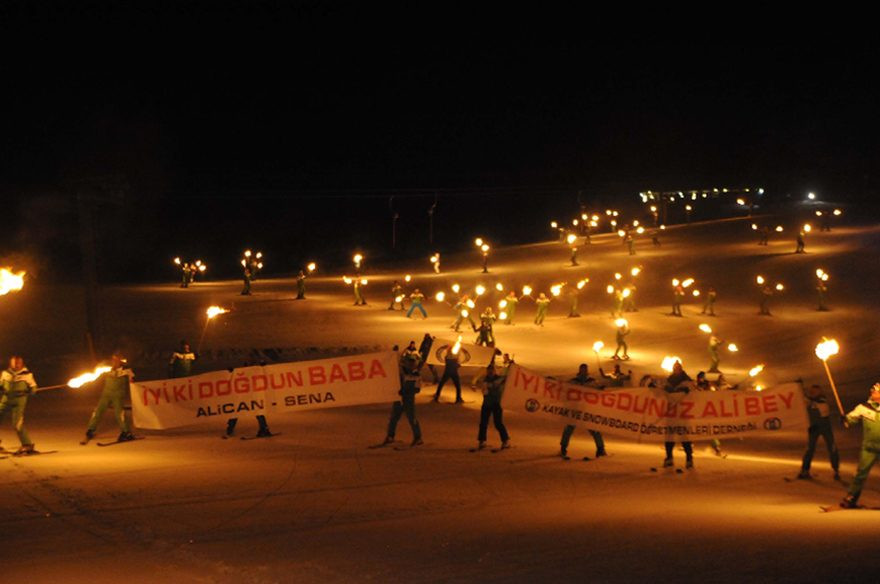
[828, 348]
[10, 281]
[211, 313]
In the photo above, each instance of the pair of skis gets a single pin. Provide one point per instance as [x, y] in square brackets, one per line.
[135, 439]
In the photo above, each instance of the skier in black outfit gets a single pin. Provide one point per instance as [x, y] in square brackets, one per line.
[582, 378]
[411, 384]
[493, 390]
[450, 371]
[424, 349]
[263, 431]
[677, 382]
[820, 425]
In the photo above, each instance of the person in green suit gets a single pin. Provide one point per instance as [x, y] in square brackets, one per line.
[543, 303]
[17, 383]
[182, 361]
[301, 285]
[115, 387]
[510, 308]
[868, 414]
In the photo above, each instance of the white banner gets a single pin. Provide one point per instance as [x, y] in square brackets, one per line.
[469, 355]
[286, 387]
[651, 414]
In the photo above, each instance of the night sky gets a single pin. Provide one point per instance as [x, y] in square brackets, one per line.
[254, 125]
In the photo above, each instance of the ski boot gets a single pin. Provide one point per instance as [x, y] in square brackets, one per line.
[25, 450]
[89, 435]
[505, 445]
[417, 442]
[667, 462]
[804, 475]
[689, 464]
[264, 433]
[601, 453]
[850, 502]
[388, 440]
[480, 446]
[125, 437]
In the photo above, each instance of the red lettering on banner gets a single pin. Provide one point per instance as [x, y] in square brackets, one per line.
[724, 412]
[336, 373]
[709, 410]
[376, 369]
[787, 402]
[770, 403]
[551, 390]
[356, 371]
[686, 408]
[317, 375]
[148, 391]
[608, 400]
[636, 407]
[656, 407]
[220, 391]
[178, 393]
[752, 406]
[573, 394]
[294, 378]
[280, 383]
[671, 410]
[624, 401]
[206, 389]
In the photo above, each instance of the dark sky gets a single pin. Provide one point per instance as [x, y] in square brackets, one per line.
[251, 100]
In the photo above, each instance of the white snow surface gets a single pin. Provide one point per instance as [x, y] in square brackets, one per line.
[316, 505]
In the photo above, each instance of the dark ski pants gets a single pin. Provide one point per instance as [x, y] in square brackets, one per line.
[261, 420]
[823, 430]
[569, 430]
[456, 380]
[688, 449]
[492, 409]
[406, 405]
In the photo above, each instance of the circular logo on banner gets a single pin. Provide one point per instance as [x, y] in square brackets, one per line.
[463, 355]
[532, 405]
[772, 424]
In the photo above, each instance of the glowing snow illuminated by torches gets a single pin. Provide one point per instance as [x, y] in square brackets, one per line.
[215, 311]
[81, 380]
[827, 348]
[668, 362]
[10, 281]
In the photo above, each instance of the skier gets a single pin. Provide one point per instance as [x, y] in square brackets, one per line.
[358, 295]
[411, 352]
[115, 388]
[630, 242]
[17, 383]
[629, 298]
[714, 343]
[543, 303]
[181, 361]
[655, 237]
[396, 293]
[263, 425]
[800, 242]
[424, 350]
[185, 273]
[582, 378]
[411, 384]
[820, 425]
[821, 290]
[493, 390]
[461, 313]
[764, 233]
[437, 263]
[416, 299]
[766, 293]
[485, 336]
[451, 365]
[677, 299]
[678, 382]
[622, 332]
[301, 285]
[512, 301]
[709, 302]
[573, 301]
[247, 276]
[869, 414]
[616, 378]
[617, 306]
